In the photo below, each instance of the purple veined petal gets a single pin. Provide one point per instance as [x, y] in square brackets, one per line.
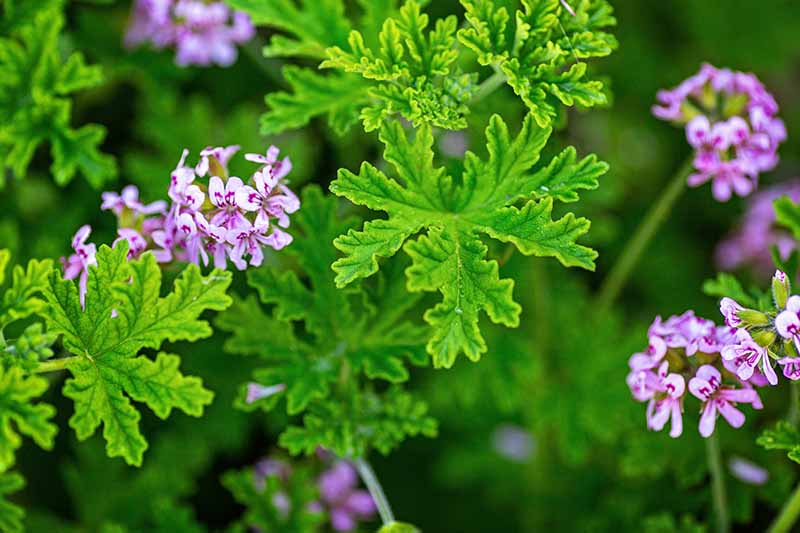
[791, 367]
[248, 198]
[278, 239]
[701, 389]
[233, 184]
[738, 130]
[734, 416]
[787, 323]
[729, 309]
[186, 224]
[708, 418]
[640, 361]
[697, 179]
[730, 352]
[677, 420]
[282, 168]
[675, 385]
[264, 181]
[216, 191]
[709, 374]
[194, 197]
[82, 283]
[745, 370]
[256, 158]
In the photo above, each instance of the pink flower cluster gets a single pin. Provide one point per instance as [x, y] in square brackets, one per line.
[340, 496]
[226, 219]
[686, 350]
[731, 122]
[203, 33]
[750, 243]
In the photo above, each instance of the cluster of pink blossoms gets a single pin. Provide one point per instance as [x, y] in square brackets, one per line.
[731, 121]
[687, 349]
[340, 496]
[750, 244]
[721, 364]
[203, 33]
[227, 219]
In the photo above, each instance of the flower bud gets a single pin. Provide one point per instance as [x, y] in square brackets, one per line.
[781, 288]
[751, 317]
[763, 337]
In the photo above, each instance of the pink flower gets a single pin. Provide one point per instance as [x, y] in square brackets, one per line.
[791, 367]
[788, 321]
[346, 504]
[221, 154]
[228, 213]
[79, 262]
[707, 386]
[751, 356]
[733, 148]
[203, 33]
[136, 243]
[182, 190]
[730, 309]
[667, 403]
[129, 198]
[651, 357]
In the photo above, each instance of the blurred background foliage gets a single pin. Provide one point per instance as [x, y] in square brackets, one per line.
[556, 384]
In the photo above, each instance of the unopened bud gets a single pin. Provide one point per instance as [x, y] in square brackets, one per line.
[763, 337]
[781, 288]
[751, 317]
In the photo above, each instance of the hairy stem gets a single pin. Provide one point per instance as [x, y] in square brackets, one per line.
[788, 515]
[375, 490]
[719, 498]
[616, 279]
[488, 86]
[53, 365]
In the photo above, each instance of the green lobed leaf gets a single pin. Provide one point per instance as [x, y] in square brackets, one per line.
[342, 427]
[11, 515]
[784, 436]
[22, 297]
[312, 25]
[17, 392]
[124, 314]
[787, 214]
[318, 355]
[451, 257]
[339, 97]
[410, 71]
[35, 79]
[542, 63]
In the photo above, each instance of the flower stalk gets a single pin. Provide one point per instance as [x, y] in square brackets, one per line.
[788, 515]
[655, 218]
[376, 491]
[718, 493]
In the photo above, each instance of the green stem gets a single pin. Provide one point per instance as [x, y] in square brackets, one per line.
[719, 497]
[488, 86]
[788, 516]
[794, 403]
[54, 365]
[375, 490]
[624, 265]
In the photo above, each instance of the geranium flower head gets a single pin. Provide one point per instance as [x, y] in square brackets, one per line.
[731, 121]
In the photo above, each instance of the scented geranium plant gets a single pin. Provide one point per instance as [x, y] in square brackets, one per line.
[311, 266]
